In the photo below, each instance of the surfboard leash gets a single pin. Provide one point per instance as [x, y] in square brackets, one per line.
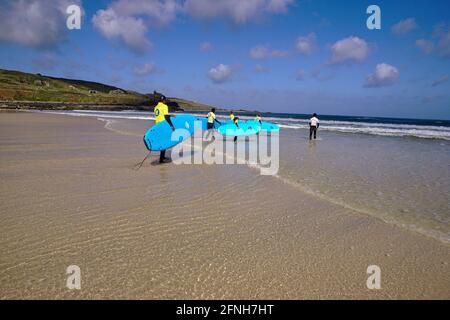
[137, 166]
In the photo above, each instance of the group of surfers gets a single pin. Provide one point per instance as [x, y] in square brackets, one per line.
[162, 113]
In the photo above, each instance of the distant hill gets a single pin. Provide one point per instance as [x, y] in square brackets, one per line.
[20, 89]
[191, 105]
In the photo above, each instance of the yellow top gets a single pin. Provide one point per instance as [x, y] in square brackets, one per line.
[211, 117]
[161, 110]
[232, 116]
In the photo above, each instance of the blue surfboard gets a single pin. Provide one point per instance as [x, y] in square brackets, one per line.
[245, 129]
[161, 137]
[265, 126]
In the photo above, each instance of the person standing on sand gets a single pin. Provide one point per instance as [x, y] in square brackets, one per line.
[162, 113]
[313, 126]
[210, 124]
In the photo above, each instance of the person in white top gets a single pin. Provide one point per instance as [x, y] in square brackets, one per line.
[210, 124]
[313, 126]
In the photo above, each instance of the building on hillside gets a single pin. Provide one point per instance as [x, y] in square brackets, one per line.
[117, 91]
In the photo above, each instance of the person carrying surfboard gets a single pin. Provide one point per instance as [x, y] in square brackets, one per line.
[258, 118]
[313, 126]
[162, 113]
[236, 122]
[210, 124]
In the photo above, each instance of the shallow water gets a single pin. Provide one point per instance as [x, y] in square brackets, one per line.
[71, 197]
[405, 181]
[398, 172]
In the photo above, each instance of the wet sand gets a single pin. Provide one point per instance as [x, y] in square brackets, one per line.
[69, 196]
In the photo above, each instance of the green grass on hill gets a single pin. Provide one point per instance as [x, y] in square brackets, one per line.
[191, 105]
[20, 86]
[16, 86]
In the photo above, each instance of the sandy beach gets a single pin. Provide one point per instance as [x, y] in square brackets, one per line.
[70, 196]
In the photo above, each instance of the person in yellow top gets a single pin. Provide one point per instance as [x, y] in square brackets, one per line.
[210, 124]
[232, 116]
[236, 122]
[162, 113]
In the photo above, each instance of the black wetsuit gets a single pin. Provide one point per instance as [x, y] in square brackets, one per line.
[312, 129]
[162, 155]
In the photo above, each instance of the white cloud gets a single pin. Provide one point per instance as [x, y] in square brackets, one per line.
[264, 52]
[306, 45]
[439, 43]
[130, 20]
[440, 81]
[238, 11]
[205, 46]
[404, 26]
[158, 12]
[444, 44]
[145, 70]
[220, 73]
[279, 6]
[384, 75]
[34, 23]
[426, 46]
[351, 49]
[132, 31]
[261, 69]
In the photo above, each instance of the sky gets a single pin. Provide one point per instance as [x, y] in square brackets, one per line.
[267, 55]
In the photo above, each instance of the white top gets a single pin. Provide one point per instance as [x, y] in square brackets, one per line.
[313, 121]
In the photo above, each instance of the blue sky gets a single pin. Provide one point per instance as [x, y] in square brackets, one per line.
[269, 55]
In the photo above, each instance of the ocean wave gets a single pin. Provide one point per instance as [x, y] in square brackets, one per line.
[417, 133]
[382, 131]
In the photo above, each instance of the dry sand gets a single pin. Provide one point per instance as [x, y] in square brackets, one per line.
[69, 196]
